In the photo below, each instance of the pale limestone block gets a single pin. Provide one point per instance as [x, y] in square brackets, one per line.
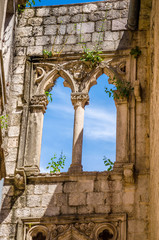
[7, 229]
[41, 12]
[117, 198]
[77, 199]
[37, 212]
[79, 18]
[33, 201]
[70, 39]
[85, 27]
[28, 13]
[55, 188]
[62, 29]
[84, 38]
[20, 51]
[68, 210]
[105, 6]
[36, 21]
[35, 50]
[55, 11]
[117, 185]
[97, 36]
[57, 40]
[85, 209]
[10, 167]
[47, 199]
[22, 22]
[102, 26]
[19, 69]
[40, 189]
[120, 5]
[22, 212]
[95, 198]
[111, 36]
[108, 46]
[17, 88]
[13, 131]
[50, 30]
[74, 10]
[24, 31]
[64, 19]
[27, 41]
[102, 209]
[103, 186]
[62, 11]
[71, 28]
[30, 189]
[124, 13]
[18, 78]
[82, 186]
[100, 15]
[12, 154]
[112, 14]
[50, 20]
[19, 60]
[52, 211]
[37, 30]
[14, 119]
[44, 40]
[8, 190]
[88, 8]
[119, 24]
[6, 202]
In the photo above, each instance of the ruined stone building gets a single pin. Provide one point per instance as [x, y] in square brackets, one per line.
[121, 204]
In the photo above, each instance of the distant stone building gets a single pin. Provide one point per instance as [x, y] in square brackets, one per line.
[121, 204]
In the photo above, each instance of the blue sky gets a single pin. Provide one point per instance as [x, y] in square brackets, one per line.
[61, 2]
[99, 123]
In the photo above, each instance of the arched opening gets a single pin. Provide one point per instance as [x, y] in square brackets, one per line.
[105, 235]
[39, 236]
[99, 127]
[58, 126]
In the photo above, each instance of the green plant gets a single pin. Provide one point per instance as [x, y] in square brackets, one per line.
[55, 165]
[47, 53]
[122, 89]
[108, 163]
[136, 52]
[49, 95]
[4, 121]
[21, 7]
[92, 56]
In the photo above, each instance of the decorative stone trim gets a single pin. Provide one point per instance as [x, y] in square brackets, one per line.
[128, 171]
[39, 102]
[79, 99]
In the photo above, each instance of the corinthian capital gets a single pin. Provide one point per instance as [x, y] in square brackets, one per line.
[39, 103]
[79, 99]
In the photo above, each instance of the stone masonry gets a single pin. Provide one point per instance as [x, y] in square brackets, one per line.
[76, 205]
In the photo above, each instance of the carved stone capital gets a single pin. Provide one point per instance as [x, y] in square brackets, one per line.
[128, 171]
[79, 99]
[38, 103]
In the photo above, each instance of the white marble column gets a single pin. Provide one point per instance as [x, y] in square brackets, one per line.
[79, 100]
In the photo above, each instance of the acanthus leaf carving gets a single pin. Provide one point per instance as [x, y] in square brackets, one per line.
[39, 102]
[79, 99]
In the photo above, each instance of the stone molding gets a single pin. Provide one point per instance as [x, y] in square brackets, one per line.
[39, 102]
[79, 99]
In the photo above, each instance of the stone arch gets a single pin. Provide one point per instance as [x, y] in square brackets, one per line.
[50, 78]
[36, 231]
[106, 230]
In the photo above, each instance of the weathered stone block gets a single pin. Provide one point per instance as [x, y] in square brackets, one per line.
[85, 209]
[22, 212]
[47, 199]
[68, 210]
[44, 40]
[37, 30]
[62, 11]
[27, 41]
[64, 19]
[70, 39]
[100, 15]
[97, 37]
[52, 211]
[20, 51]
[50, 30]
[120, 5]
[17, 88]
[85, 27]
[102, 209]
[74, 10]
[13, 131]
[24, 31]
[34, 51]
[95, 198]
[82, 186]
[71, 28]
[102, 26]
[111, 36]
[77, 199]
[37, 212]
[119, 24]
[105, 5]
[15, 119]
[88, 8]
[50, 20]
[55, 188]
[79, 18]
[19, 69]
[40, 189]
[12, 154]
[84, 38]
[61, 199]
[28, 13]
[41, 12]
[57, 40]
[128, 197]
[33, 201]
[36, 21]
[113, 14]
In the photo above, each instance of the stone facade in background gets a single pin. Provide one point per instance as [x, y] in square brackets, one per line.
[76, 205]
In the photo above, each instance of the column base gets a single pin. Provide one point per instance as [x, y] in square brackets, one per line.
[75, 168]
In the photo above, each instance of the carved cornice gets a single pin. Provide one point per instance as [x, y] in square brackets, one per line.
[38, 103]
[79, 99]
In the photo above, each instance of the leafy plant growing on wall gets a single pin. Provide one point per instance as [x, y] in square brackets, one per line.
[92, 56]
[48, 95]
[30, 3]
[4, 121]
[122, 89]
[136, 52]
[55, 165]
[108, 163]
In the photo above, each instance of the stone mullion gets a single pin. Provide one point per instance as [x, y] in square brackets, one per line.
[79, 100]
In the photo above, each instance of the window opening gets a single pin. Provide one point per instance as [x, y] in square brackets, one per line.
[105, 235]
[39, 236]
[58, 126]
[99, 127]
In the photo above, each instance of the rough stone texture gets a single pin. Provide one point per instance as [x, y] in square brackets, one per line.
[122, 191]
